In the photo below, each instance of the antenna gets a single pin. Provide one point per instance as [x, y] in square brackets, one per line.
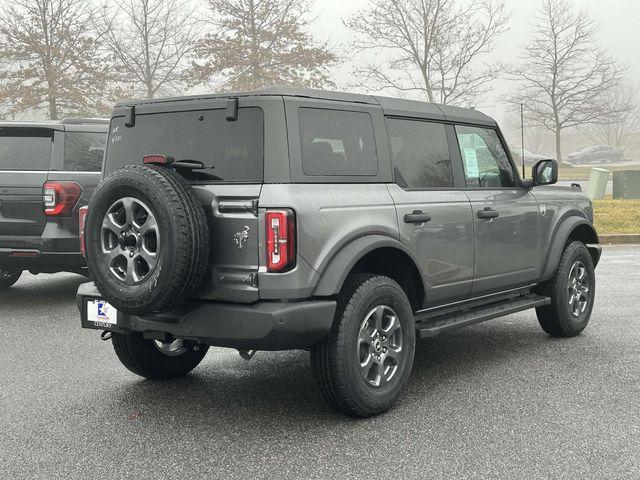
[524, 170]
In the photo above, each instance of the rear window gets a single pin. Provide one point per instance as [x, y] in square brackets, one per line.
[83, 151]
[336, 142]
[26, 150]
[231, 151]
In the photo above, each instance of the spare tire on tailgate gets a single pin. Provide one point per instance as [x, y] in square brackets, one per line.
[147, 239]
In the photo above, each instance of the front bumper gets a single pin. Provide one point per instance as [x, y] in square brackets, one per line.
[258, 326]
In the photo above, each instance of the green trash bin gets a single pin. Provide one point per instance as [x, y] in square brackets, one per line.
[597, 186]
[626, 184]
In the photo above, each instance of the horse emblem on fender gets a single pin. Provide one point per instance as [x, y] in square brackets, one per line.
[240, 238]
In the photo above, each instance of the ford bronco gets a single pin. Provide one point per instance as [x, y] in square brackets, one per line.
[347, 225]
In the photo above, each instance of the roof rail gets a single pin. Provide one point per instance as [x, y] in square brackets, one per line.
[79, 120]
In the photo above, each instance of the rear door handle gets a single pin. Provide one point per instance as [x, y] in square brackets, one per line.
[488, 213]
[417, 217]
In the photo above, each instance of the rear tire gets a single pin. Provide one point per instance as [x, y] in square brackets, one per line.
[572, 290]
[8, 278]
[146, 359]
[364, 362]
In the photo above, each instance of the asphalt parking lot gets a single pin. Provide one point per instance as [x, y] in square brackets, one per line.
[497, 400]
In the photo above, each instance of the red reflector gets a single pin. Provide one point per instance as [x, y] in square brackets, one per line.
[82, 218]
[281, 240]
[157, 159]
[23, 254]
[60, 198]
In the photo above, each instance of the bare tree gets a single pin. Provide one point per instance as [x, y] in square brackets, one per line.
[51, 59]
[149, 41]
[258, 43]
[564, 77]
[429, 46]
[621, 125]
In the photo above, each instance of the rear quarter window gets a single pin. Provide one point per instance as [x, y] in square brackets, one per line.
[337, 142]
[27, 151]
[83, 151]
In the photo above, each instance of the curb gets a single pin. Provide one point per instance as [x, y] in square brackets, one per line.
[620, 238]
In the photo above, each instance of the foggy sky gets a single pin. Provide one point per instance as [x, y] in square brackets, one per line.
[618, 21]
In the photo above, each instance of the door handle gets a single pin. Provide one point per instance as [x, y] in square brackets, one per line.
[488, 213]
[417, 217]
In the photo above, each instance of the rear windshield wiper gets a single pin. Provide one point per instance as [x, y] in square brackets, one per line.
[190, 164]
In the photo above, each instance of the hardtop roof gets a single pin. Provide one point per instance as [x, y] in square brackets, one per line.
[390, 106]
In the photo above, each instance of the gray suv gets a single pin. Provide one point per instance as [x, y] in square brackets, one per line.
[48, 170]
[343, 224]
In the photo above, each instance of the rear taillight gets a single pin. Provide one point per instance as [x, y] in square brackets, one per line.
[82, 218]
[281, 240]
[60, 198]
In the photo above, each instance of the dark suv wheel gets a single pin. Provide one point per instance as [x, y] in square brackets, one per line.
[157, 360]
[572, 290]
[365, 360]
[9, 278]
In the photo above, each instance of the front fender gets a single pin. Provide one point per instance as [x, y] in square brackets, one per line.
[560, 237]
[341, 264]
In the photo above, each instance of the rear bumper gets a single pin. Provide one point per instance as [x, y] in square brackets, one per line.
[259, 326]
[39, 261]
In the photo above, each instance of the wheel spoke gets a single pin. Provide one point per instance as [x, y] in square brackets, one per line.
[378, 315]
[149, 225]
[127, 204]
[394, 324]
[150, 258]
[108, 223]
[130, 277]
[368, 363]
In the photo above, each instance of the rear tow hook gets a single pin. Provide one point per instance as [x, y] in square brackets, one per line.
[105, 335]
[247, 354]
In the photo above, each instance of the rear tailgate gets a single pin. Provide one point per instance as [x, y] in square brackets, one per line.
[24, 161]
[228, 159]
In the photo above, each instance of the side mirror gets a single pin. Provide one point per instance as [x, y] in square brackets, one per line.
[545, 172]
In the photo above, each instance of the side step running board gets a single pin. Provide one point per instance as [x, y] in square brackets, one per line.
[430, 327]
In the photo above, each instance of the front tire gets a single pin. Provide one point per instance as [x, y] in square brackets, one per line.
[8, 278]
[572, 290]
[156, 360]
[365, 360]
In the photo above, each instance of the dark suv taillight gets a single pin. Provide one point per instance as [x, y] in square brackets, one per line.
[82, 218]
[281, 240]
[60, 198]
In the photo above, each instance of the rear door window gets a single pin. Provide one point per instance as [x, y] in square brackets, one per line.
[83, 151]
[231, 151]
[27, 151]
[484, 158]
[337, 142]
[420, 154]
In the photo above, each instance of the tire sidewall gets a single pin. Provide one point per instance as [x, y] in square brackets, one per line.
[385, 292]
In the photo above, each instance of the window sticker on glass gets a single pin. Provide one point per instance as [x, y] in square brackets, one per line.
[471, 161]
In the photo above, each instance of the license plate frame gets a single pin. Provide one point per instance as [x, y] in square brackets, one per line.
[99, 313]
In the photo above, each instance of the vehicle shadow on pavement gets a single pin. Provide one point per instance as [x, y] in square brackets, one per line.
[43, 289]
[280, 385]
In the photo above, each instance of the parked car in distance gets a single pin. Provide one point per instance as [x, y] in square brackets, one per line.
[348, 225]
[596, 154]
[48, 170]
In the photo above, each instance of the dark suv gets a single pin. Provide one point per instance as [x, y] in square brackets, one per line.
[344, 224]
[47, 171]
